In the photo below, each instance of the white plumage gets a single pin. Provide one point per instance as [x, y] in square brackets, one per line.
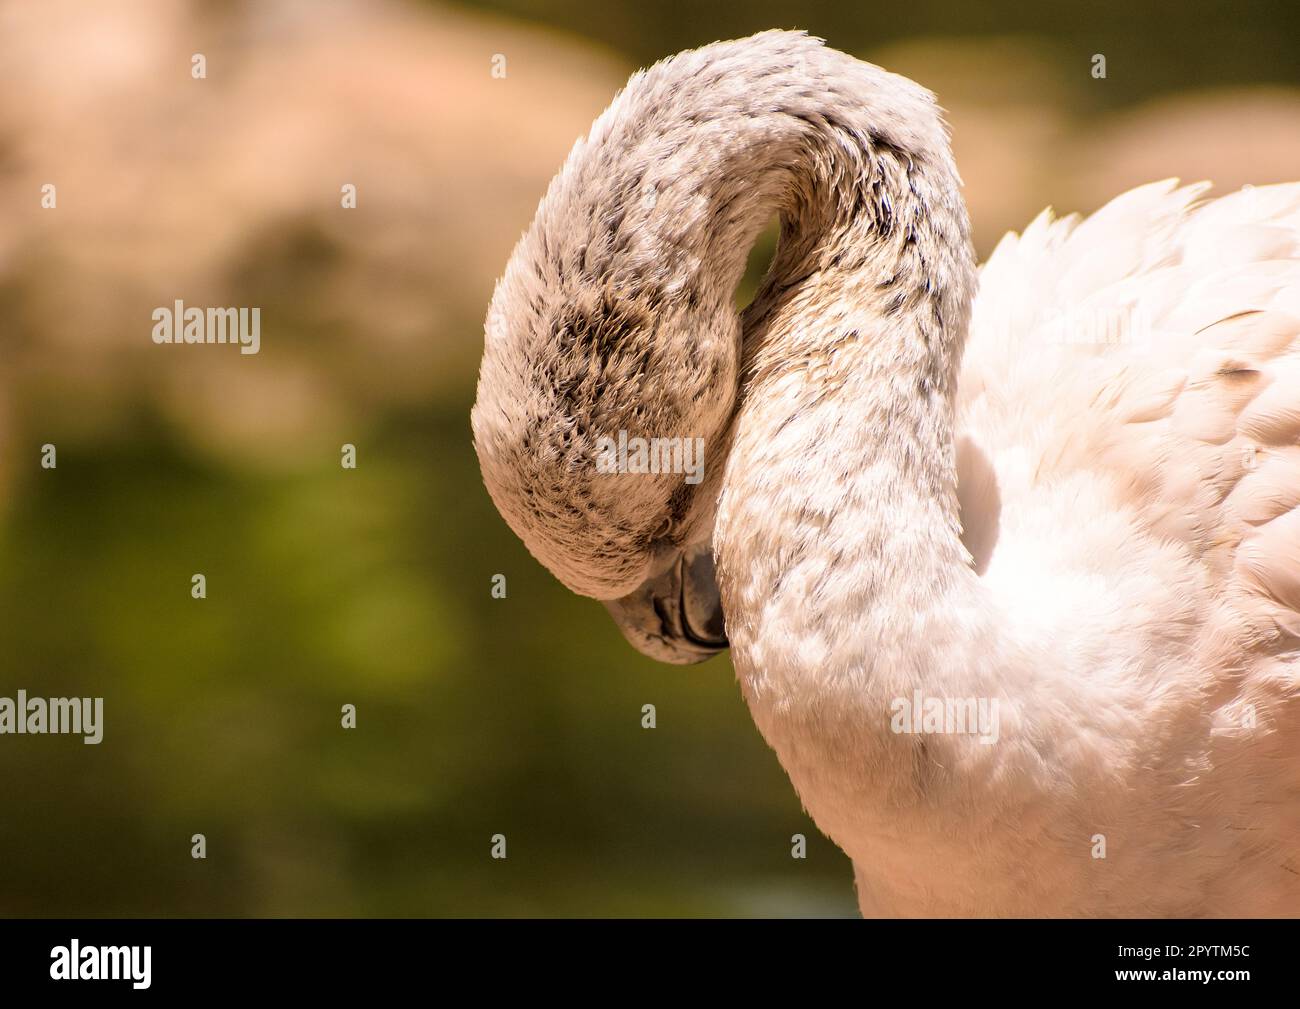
[1090, 521]
[1133, 382]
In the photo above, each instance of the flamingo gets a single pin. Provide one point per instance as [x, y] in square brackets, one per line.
[1007, 559]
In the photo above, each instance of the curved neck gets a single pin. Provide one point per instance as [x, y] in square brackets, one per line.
[839, 493]
[844, 367]
[621, 296]
[867, 301]
[844, 580]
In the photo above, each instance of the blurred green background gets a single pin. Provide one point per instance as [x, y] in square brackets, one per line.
[326, 586]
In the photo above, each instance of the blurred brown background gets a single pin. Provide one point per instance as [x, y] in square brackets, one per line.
[328, 586]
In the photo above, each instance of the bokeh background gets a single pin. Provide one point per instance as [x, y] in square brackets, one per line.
[326, 586]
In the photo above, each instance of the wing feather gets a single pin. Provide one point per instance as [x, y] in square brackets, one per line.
[1152, 350]
[1129, 478]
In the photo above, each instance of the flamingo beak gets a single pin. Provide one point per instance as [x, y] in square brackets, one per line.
[675, 616]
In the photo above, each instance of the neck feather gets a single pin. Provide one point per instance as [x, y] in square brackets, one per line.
[838, 504]
[844, 580]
